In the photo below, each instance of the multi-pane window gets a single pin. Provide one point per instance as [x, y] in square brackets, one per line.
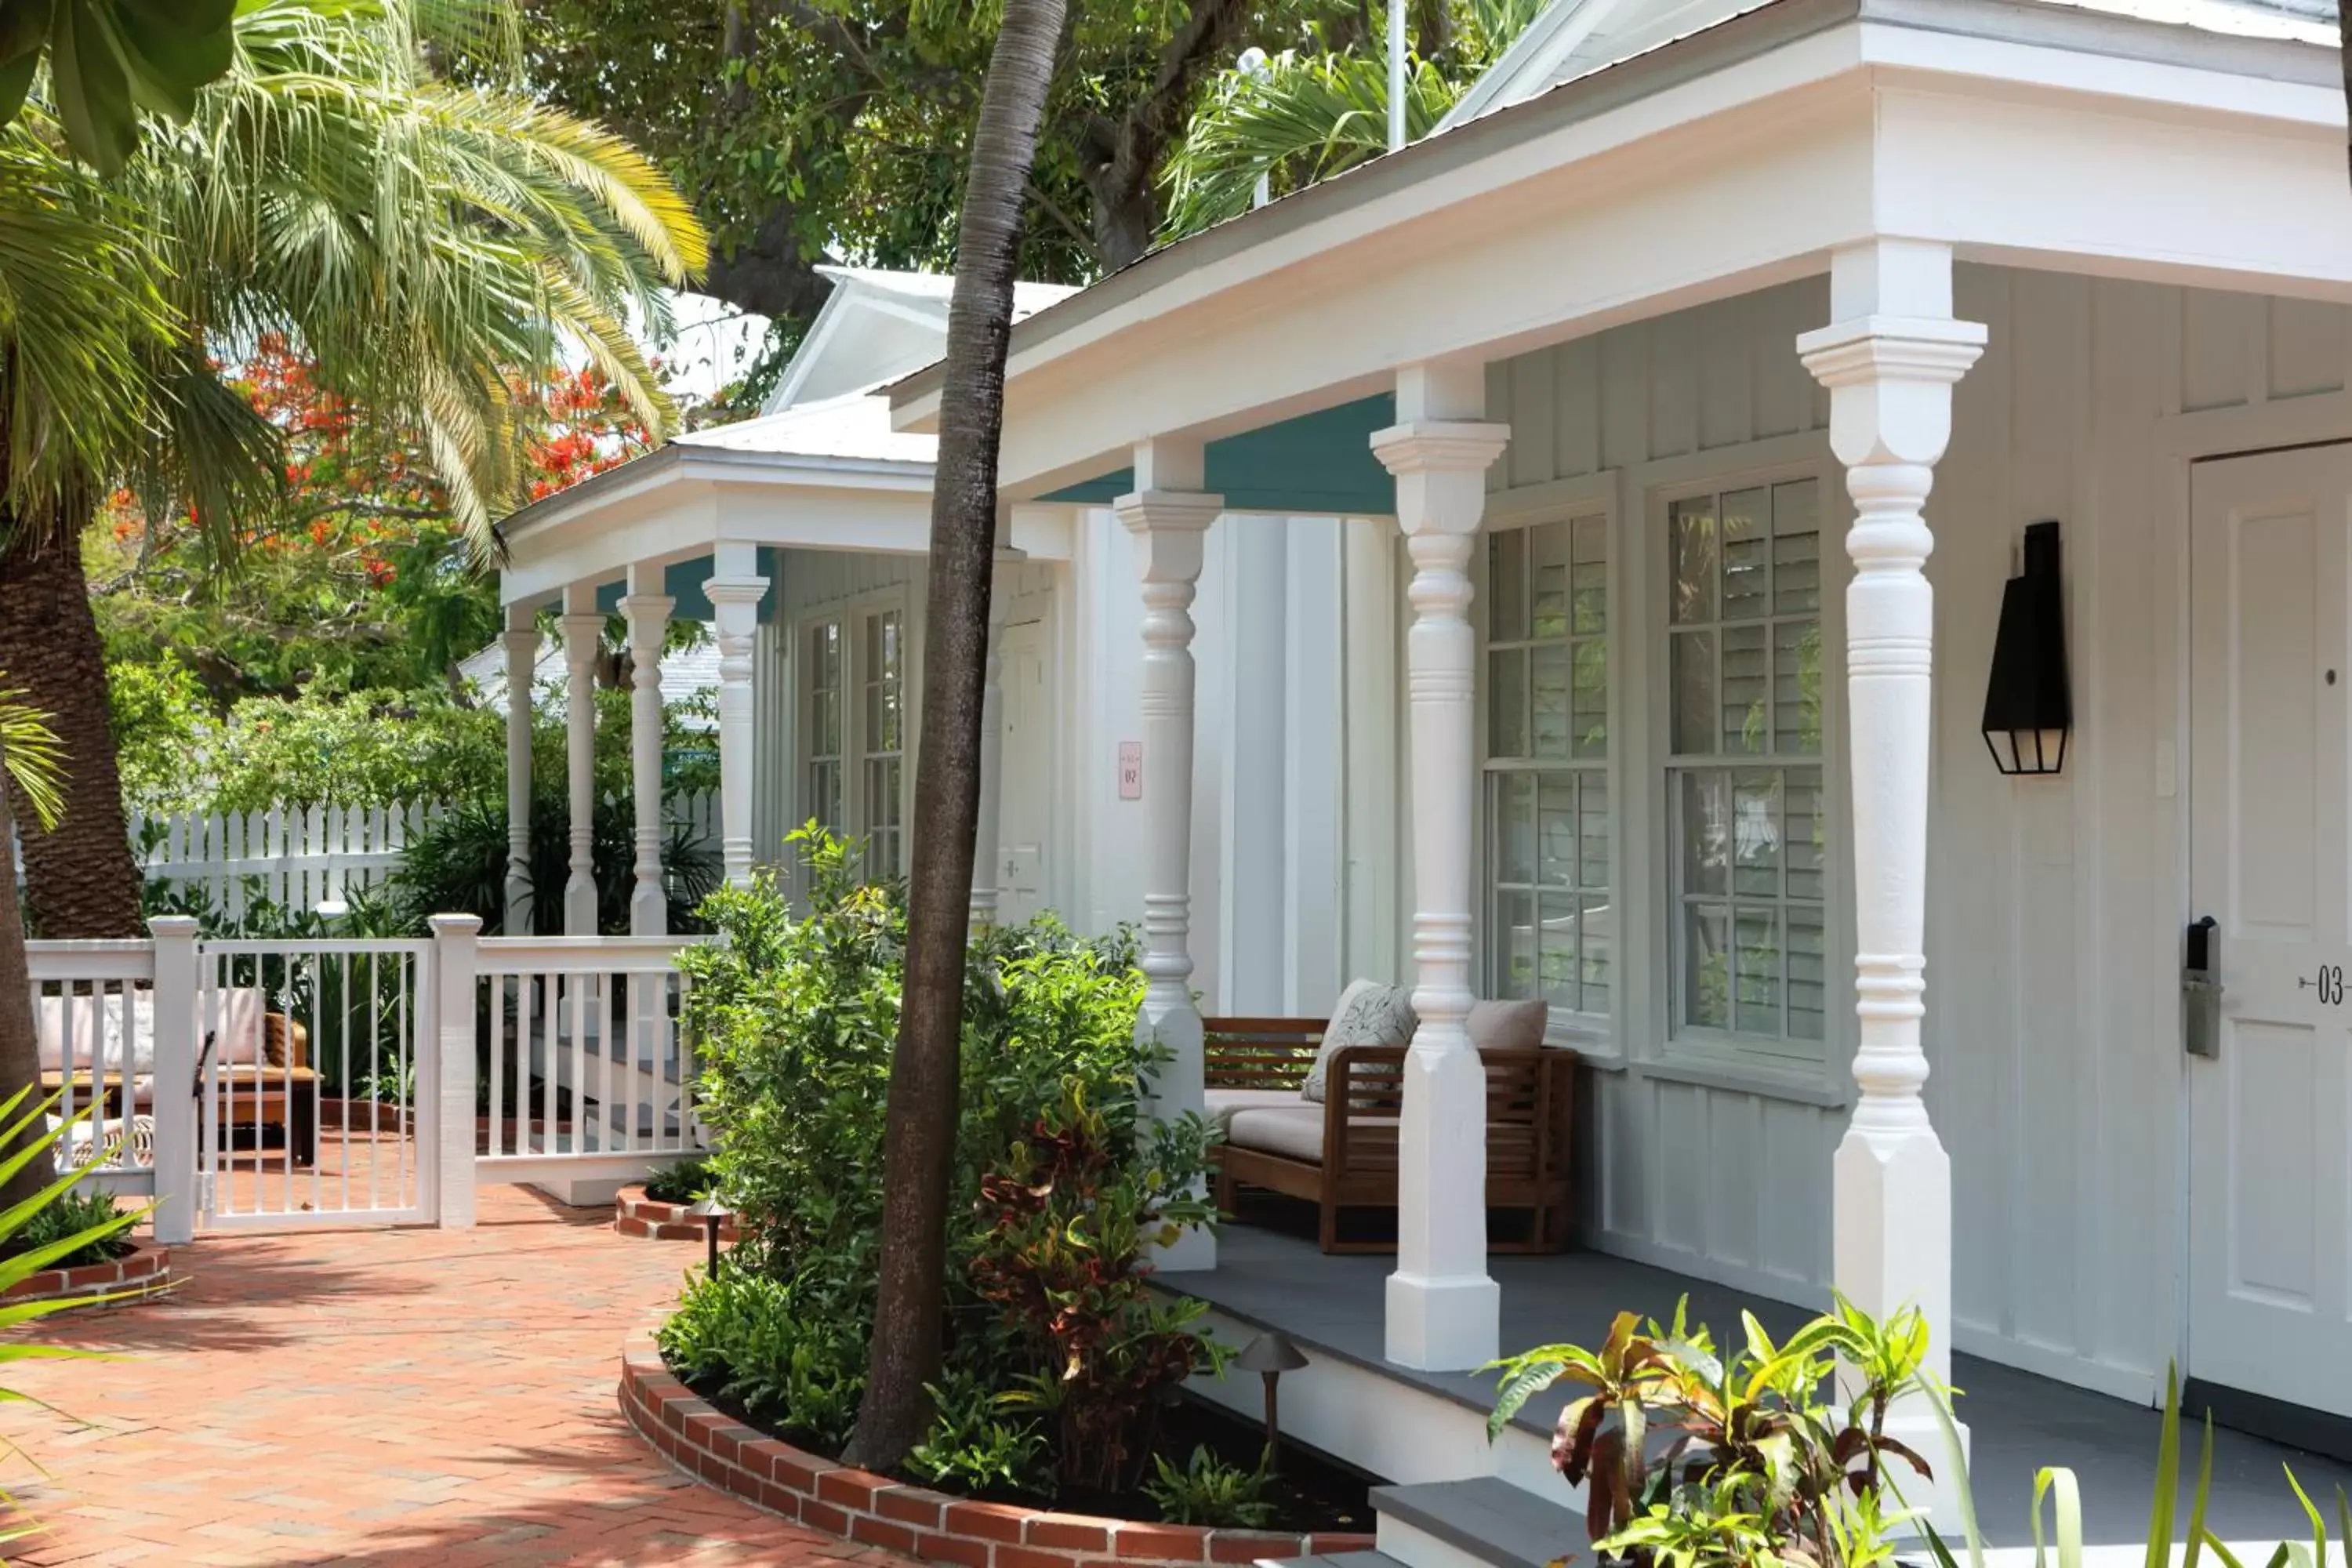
[1744, 779]
[883, 741]
[1550, 927]
[826, 678]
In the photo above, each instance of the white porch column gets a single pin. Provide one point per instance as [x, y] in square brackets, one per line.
[521, 640]
[1168, 514]
[647, 611]
[735, 589]
[985, 870]
[1442, 1311]
[1890, 360]
[581, 627]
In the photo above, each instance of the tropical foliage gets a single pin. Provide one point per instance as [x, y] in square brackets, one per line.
[110, 59]
[1318, 110]
[432, 248]
[1056, 1355]
[358, 575]
[1693, 1457]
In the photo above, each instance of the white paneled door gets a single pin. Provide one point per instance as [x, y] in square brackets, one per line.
[2270, 1132]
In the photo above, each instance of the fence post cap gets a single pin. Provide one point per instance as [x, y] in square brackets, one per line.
[173, 925]
[455, 925]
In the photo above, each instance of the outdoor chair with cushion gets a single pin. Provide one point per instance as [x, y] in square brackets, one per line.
[266, 1079]
[1308, 1114]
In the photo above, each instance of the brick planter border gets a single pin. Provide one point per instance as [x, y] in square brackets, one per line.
[146, 1270]
[633, 1213]
[875, 1510]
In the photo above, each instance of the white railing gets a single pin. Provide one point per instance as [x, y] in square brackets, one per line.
[315, 1082]
[94, 1019]
[586, 1064]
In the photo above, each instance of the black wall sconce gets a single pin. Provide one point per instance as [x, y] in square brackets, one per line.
[2029, 707]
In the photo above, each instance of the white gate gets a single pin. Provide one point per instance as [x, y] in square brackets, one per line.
[316, 1083]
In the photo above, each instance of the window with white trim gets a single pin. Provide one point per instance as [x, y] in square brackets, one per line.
[1550, 927]
[1747, 869]
[882, 740]
[827, 674]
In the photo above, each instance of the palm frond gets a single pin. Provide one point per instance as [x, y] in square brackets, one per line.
[33, 758]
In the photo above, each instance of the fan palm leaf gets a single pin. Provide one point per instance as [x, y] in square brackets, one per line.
[34, 761]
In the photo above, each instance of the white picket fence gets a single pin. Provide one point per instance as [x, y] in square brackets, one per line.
[303, 856]
[296, 857]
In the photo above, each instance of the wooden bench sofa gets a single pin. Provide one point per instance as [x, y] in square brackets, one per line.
[1343, 1154]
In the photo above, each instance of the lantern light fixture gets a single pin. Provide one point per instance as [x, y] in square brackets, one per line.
[714, 1215]
[2029, 707]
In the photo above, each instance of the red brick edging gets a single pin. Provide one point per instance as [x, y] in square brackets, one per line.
[826, 1495]
[146, 1270]
[633, 1213]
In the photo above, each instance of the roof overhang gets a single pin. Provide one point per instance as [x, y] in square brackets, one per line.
[1728, 160]
[681, 502]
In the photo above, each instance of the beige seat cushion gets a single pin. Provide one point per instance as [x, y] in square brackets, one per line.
[1367, 1014]
[1219, 1104]
[1294, 1131]
[92, 1027]
[1508, 1026]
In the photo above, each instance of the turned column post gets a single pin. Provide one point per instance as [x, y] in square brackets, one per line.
[583, 628]
[1442, 1310]
[522, 641]
[647, 609]
[1168, 514]
[986, 868]
[1890, 360]
[735, 589]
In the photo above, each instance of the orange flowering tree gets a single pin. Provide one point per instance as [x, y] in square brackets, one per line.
[360, 575]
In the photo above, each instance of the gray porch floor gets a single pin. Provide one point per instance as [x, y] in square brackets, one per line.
[2018, 1422]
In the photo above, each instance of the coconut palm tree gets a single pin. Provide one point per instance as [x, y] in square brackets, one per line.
[1313, 112]
[918, 1141]
[432, 246]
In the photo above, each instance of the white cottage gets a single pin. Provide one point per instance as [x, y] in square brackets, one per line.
[1491, 497]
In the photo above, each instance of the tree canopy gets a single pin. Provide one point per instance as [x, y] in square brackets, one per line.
[810, 129]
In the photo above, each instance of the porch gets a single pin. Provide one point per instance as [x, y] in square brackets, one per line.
[1354, 1404]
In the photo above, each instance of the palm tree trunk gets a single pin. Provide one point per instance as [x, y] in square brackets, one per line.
[919, 1139]
[20, 1062]
[80, 879]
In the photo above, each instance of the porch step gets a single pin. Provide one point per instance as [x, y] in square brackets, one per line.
[1484, 1522]
[1336, 1559]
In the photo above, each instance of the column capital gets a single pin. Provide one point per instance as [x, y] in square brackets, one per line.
[1890, 380]
[1169, 527]
[725, 591]
[521, 640]
[1440, 446]
[656, 606]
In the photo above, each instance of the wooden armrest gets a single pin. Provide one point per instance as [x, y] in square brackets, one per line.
[1259, 1053]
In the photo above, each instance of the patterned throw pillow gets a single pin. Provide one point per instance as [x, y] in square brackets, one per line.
[1369, 1014]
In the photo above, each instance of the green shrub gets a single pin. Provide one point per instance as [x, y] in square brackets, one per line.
[794, 1021]
[974, 1450]
[458, 865]
[682, 1181]
[1208, 1491]
[71, 1213]
[776, 1348]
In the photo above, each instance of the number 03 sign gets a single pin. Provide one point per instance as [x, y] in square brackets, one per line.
[2328, 981]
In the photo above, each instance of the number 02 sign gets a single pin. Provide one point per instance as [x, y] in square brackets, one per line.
[1130, 770]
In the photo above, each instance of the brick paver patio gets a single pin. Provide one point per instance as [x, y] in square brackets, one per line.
[400, 1397]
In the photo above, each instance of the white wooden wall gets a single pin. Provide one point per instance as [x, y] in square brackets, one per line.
[2054, 906]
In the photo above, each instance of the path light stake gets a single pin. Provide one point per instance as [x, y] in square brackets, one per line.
[713, 1214]
[1270, 1355]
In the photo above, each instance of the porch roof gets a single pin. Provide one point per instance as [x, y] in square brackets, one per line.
[2043, 133]
[831, 475]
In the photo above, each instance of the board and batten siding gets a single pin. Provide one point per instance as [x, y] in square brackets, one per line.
[2053, 905]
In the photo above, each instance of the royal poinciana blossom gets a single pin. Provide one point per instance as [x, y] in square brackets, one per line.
[362, 576]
